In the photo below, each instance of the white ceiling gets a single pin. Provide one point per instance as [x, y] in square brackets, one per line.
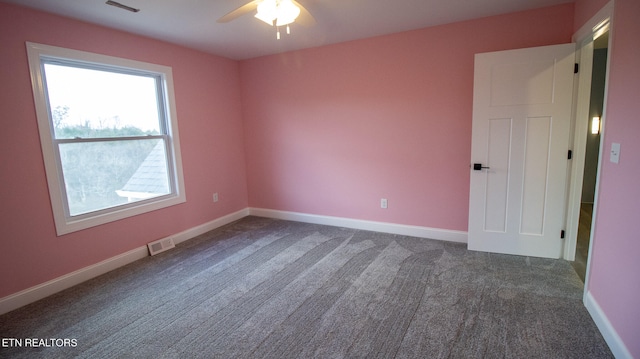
[192, 23]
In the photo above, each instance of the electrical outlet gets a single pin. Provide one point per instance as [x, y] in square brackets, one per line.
[383, 203]
[215, 197]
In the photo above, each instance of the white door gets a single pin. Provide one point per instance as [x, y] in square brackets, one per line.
[520, 139]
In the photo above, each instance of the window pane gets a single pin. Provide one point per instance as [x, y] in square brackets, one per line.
[99, 175]
[89, 103]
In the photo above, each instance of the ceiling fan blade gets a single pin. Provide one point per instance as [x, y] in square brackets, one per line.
[305, 18]
[234, 14]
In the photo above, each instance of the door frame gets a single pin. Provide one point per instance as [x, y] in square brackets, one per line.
[600, 23]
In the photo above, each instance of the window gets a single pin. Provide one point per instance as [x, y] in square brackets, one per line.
[109, 136]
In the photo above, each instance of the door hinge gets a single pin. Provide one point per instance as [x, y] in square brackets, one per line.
[562, 234]
[570, 155]
[576, 67]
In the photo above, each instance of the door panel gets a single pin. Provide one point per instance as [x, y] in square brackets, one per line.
[499, 144]
[522, 83]
[536, 163]
[521, 122]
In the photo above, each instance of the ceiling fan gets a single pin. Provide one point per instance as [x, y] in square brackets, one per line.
[273, 12]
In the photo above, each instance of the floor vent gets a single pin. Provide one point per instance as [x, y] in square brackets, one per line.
[160, 246]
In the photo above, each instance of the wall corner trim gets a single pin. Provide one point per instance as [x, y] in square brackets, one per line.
[40, 291]
[393, 228]
[615, 343]
[597, 21]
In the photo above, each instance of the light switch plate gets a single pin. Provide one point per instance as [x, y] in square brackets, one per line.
[615, 153]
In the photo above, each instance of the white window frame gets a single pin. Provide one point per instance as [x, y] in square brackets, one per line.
[64, 222]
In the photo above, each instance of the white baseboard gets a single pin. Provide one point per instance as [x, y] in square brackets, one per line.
[393, 228]
[617, 346]
[30, 295]
[53, 286]
[209, 226]
[40, 291]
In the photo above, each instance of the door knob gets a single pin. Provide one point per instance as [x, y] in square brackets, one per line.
[478, 167]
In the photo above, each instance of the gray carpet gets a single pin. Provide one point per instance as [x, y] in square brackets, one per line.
[263, 288]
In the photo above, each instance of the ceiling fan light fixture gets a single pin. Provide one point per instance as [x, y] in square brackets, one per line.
[288, 12]
[267, 11]
[283, 12]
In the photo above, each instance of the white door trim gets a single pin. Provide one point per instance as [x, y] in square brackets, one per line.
[582, 95]
[598, 24]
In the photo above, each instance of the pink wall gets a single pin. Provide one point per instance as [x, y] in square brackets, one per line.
[208, 103]
[614, 281]
[332, 130]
